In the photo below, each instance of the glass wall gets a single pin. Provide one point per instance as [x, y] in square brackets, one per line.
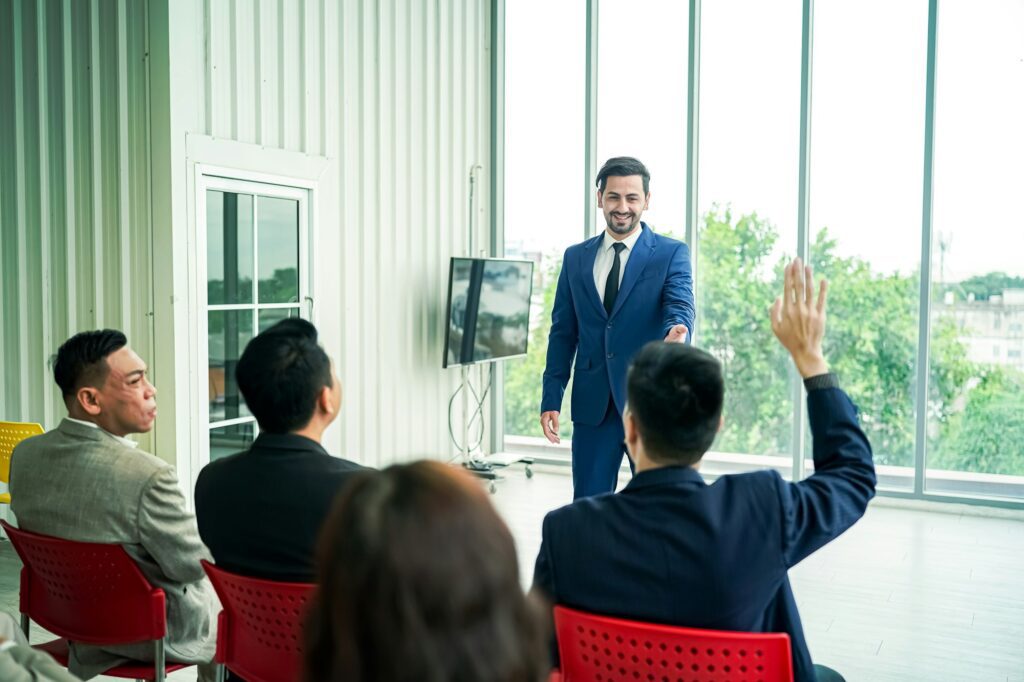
[544, 152]
[866, 231]
[749, 145]
[976, 389]
[865, 218]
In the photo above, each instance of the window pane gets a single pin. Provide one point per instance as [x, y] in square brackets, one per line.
[227, 440]
[976, 389]
[749, 126]
[544, 94]
[269, 317]
[866, 215]
[278, 250]
[229, 268]
[229, 331]
[652, 129]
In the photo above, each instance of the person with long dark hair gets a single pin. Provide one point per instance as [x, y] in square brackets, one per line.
[418, 581]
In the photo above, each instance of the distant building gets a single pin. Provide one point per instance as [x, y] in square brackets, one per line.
[992, 330]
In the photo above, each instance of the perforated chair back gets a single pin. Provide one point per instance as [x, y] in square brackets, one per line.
[601, 649]
[259, 632]
[86, 592]
[12, 433]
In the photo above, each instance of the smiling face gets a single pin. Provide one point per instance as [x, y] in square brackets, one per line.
[126, 402]
[623, 202]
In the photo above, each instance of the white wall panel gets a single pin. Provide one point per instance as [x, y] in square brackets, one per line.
[93, 199]
[74, 187]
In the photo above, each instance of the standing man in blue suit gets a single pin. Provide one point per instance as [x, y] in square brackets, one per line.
[616, 292]
[669, 548]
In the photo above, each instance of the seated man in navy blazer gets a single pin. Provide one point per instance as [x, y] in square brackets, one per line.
[671, 549]
[259, 511]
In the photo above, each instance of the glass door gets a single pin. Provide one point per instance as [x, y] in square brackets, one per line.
[256, 273]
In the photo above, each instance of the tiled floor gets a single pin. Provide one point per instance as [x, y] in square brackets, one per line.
[907, 594]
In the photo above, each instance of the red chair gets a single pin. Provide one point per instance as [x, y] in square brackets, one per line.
[259, 632]
[92, 594]
[616, 650]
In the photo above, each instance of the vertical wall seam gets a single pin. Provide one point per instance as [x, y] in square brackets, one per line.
[96, 181]
[19, 208]
[45, 219]
[124, 175]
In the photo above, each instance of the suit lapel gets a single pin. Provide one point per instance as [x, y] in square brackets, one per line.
[638, 259]
[587, 258]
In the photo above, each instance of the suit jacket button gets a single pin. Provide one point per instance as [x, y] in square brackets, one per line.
[609, 325]
[611, 355]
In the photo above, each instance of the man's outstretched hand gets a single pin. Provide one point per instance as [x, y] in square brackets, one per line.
[798, 320]
[549, 423]
[677, 334]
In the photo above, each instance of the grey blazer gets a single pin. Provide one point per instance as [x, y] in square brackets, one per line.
[81, 483]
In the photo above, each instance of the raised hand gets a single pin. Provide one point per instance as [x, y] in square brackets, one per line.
[677, 334]
[798, 320]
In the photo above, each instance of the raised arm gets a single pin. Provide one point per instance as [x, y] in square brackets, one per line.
[820, 508]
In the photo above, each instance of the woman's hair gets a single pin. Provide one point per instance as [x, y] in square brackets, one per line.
[418, 581]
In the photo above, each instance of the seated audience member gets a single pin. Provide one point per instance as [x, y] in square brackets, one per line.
[418, 580]
[260, 510]
[21, 663]
[670, 548]
[86, 481]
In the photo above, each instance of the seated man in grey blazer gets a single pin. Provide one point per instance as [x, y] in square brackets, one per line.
[86, 481]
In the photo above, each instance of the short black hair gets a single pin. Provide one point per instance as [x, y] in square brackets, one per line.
[675, 393]
[621, 167]
[281, 373]
[82, 359]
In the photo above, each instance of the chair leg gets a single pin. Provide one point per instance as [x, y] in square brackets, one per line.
[159, 664]
[24, 624]
[222, 672]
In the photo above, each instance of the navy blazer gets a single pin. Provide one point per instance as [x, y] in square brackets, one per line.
[260, 511]
[671, 549]
[655, 295]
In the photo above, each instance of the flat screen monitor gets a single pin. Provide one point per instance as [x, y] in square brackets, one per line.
[488, 314]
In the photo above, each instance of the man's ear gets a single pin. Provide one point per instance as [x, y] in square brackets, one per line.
[721, 423]
[88, 398]
[647, 200]
[323, 400]
[600, 199]
[629, 426]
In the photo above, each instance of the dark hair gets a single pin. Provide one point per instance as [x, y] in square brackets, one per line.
[82, 360]
[418, 582]
[281, 373]
[620, 167]
[675, 393]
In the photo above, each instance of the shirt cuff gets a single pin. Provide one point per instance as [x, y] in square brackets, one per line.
[816, 383]
[9, 644]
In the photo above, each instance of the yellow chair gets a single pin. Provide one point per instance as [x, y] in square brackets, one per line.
[12, 433]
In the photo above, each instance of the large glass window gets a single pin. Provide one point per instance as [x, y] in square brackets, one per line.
[253, 277]
[544, 152]
[976, 390]
[641, 99]
[867, 146]
[749, 128]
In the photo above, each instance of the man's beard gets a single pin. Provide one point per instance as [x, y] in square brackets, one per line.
[622, 229]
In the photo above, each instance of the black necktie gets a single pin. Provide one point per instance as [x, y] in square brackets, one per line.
[611, 285]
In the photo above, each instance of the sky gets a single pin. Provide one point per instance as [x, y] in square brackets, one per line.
[867, 121]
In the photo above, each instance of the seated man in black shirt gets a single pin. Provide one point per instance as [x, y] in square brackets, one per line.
[259, 511]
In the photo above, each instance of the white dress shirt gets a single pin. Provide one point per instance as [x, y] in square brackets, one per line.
[606, 257]
[124, 441]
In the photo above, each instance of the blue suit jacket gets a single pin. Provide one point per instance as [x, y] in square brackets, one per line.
[656, 294]
[671, 549]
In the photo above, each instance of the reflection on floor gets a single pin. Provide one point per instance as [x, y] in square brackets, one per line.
[906, 594]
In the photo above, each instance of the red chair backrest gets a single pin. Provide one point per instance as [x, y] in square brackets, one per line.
[86, 592]
[616, 650]
[259, 632]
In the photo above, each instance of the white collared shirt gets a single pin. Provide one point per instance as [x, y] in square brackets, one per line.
[124, 441]
[606, 257]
